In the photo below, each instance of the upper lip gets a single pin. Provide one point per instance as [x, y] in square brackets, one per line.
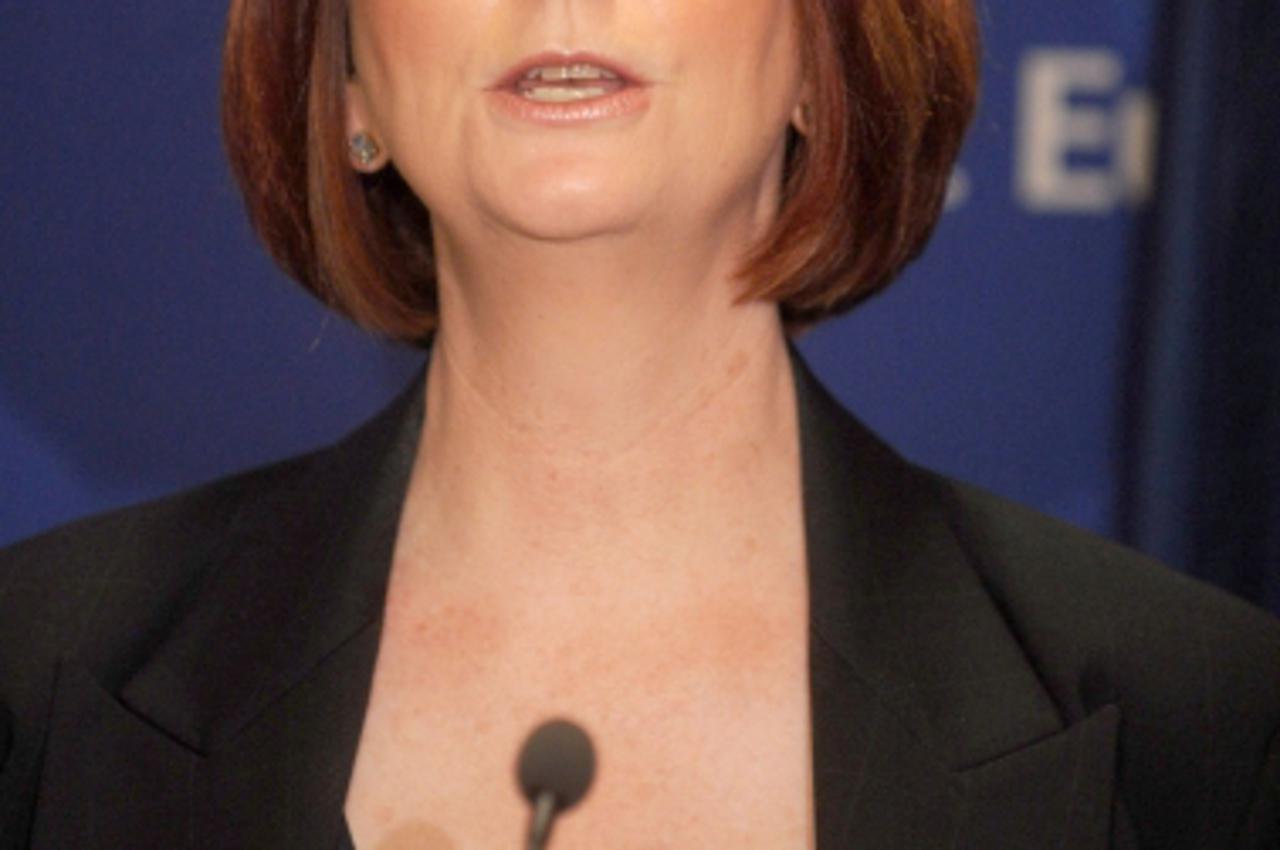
[513, 74]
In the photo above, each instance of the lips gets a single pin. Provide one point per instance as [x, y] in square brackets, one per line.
[512, 76]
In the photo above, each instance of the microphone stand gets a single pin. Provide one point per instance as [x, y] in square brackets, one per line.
[544, 811]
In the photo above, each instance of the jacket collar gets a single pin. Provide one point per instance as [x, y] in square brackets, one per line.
[240, 730]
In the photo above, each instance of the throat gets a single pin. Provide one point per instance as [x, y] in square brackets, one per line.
[552, 463]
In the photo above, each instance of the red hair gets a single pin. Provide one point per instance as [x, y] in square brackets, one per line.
[894, 85]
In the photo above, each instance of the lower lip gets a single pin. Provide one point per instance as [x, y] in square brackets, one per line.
[628, 101]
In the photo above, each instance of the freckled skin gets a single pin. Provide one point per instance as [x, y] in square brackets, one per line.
[697, 708]
[591, 530]
[417, 835]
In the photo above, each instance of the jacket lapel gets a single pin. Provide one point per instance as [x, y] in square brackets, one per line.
[241, 727]
[113, 780]
[930, 728]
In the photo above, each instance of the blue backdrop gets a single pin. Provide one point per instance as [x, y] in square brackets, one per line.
[149, 345]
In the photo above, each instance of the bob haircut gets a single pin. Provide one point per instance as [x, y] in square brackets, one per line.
[894, 84]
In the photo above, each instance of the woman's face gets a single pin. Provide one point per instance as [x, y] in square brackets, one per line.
[724, 80]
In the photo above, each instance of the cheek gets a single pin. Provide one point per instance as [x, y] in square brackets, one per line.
[411, 55]
[743, 56]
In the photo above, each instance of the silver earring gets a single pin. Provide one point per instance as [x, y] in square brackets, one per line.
[365, 149]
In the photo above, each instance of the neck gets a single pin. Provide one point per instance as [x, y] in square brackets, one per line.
[620, 407]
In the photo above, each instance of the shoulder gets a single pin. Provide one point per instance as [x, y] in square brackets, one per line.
[1098, 595]
[103, 586]
[98, 584]
[1194, 670]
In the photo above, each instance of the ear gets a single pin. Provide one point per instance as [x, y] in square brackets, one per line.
[802, 114]
[360, 124]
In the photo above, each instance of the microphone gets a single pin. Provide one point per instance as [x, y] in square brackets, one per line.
[555, 769]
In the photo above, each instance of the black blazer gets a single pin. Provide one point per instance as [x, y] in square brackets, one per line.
[193, 673]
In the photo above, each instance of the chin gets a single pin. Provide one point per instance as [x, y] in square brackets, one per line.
[567, 206]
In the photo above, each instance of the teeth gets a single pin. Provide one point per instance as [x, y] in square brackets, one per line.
[562, 94]
[579, 71]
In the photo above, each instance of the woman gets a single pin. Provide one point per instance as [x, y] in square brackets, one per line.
[616, 494]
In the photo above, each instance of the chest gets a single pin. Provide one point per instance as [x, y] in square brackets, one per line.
[698, 709]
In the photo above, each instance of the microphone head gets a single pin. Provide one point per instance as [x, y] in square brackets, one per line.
[557, 757]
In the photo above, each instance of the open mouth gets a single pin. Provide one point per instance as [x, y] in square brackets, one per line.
[568, 90]
[568, 84]
[557, 88]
